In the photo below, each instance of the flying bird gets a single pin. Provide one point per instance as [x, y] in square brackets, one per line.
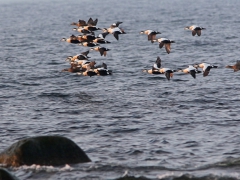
[190, 70]
[205, 67]
[165, 42]
[235, 67]
[195, 29]
[155, 68]
[102, 50]
[151, 34]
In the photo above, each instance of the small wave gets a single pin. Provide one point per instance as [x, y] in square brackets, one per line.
[135, 152]
[38, 168]
[54, 94]
[171, 176]
[191, 144]
[124, 130]
[228, 163]
[192, 177]
[162, 152]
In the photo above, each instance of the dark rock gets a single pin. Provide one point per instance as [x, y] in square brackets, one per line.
[5, 175]
[43, 150]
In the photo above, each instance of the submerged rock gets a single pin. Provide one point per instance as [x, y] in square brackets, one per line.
[43, 150]
[5, 175]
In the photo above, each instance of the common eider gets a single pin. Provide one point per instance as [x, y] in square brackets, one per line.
[82, 56]
[102, 70]
[195, 29]
[88, 44]
[72, 39]
[91, 28]
[235, 67]
[151, 34]
[205, 67]
[82, 30]
[80, 23]
[101, 50]
[114, 31]
[168, 72]
[190, 70]
[73, 69]
[155, 68]
[165, 42]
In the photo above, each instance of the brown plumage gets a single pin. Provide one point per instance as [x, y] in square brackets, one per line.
[151, 34]
[91, 28]
[72, 39]
[82, 56]
[82, 30]
[73, 69]
[101, 41]
[86, 38]
[165, 42]
[88, 44]
[82, 23]
[88, 70]
[235, 67]
[101, 50]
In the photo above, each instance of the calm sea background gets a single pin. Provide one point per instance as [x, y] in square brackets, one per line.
[130, 122]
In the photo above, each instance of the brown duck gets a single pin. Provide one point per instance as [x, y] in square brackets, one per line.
[235, 67]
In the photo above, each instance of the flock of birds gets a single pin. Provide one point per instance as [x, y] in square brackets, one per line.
[191, 69]
[81, 64]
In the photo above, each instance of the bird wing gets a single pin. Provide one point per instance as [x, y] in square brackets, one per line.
[95, 22]
[115, 34]
[167, 74]
[206, 71]
[82, 22]
[105, 53]
[104, 65]
[161, 44]
[149, 37]
[167, 47]
[238, 64]
[117, 23]
[198, 32]
[103, 35]
[158, 62]
[101, 50]
[85, 53]
[194, 32]
[81, 57]
[90, 22]
[153, 37]
[193, 73]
